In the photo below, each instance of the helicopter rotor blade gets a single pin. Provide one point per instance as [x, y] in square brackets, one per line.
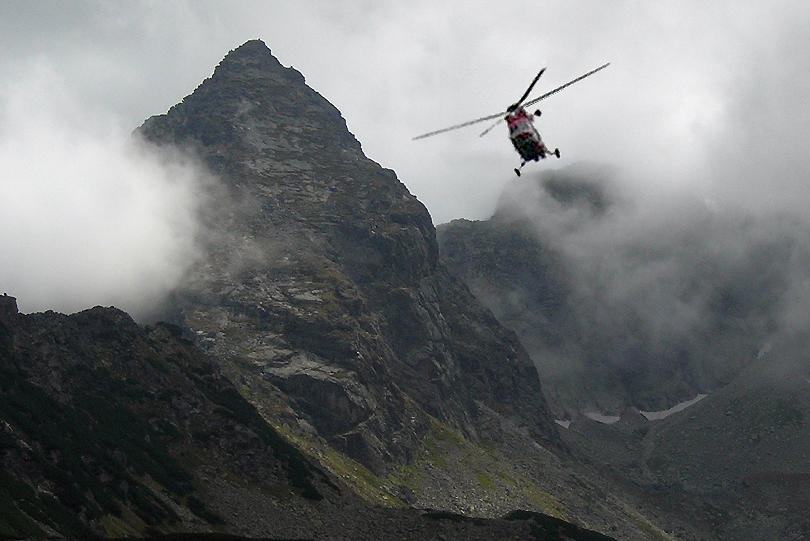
[516, 104]
[512, 107]
[486, 131]
[566, 85]
[458, 126]
[528, 90]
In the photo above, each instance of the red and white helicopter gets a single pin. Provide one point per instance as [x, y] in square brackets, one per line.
[524, 136]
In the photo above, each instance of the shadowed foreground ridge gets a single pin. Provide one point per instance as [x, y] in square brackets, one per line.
[110, 429]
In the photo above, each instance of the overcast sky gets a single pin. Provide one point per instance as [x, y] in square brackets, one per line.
[705, 97]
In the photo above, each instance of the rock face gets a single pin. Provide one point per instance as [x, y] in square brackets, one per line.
[322, 277]
[734, 462]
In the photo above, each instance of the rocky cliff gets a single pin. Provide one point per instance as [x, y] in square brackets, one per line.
[323, 276]
[322, 296]
[110, 429]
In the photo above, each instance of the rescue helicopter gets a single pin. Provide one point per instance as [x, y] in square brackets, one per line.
[522, 131]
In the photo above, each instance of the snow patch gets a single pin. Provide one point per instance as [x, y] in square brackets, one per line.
[598, 417]
[658, 415]
[564, 424]
[765, 349]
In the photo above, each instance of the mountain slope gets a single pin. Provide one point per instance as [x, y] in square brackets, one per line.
[629, 311]
[745, 450]
[626, 300]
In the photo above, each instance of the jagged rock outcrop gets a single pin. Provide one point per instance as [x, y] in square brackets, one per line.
[323, 279]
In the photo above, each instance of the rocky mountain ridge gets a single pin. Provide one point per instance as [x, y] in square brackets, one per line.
[620, 310]
[109, 429]
[340, 379]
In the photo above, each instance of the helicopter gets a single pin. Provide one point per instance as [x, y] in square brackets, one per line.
[522, 132]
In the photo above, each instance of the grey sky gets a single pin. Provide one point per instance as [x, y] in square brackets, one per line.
[703, 97]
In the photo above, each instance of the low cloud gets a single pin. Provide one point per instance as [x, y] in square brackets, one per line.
[671, 292]
[88, 214]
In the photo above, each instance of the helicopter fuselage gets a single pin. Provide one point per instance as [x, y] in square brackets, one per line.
[524, 135]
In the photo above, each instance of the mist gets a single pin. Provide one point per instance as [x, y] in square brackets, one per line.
[706, 99]
[666, 293]
[89, 215]
[697, 94]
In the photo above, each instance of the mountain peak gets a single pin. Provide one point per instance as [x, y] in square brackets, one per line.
[331, 266]
[254, 59]
[253, 106]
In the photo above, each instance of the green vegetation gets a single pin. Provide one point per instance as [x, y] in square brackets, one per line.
[442, 432]
[42, 507]
[359, 478]
[445, 448]
[235, 406]
[93, 454]
[485, 480]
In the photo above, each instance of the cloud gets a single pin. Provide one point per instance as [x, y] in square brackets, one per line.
[665, 295]
[88, 216]
[708, 98]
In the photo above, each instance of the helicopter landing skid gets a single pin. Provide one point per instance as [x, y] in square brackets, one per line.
[555, 153]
